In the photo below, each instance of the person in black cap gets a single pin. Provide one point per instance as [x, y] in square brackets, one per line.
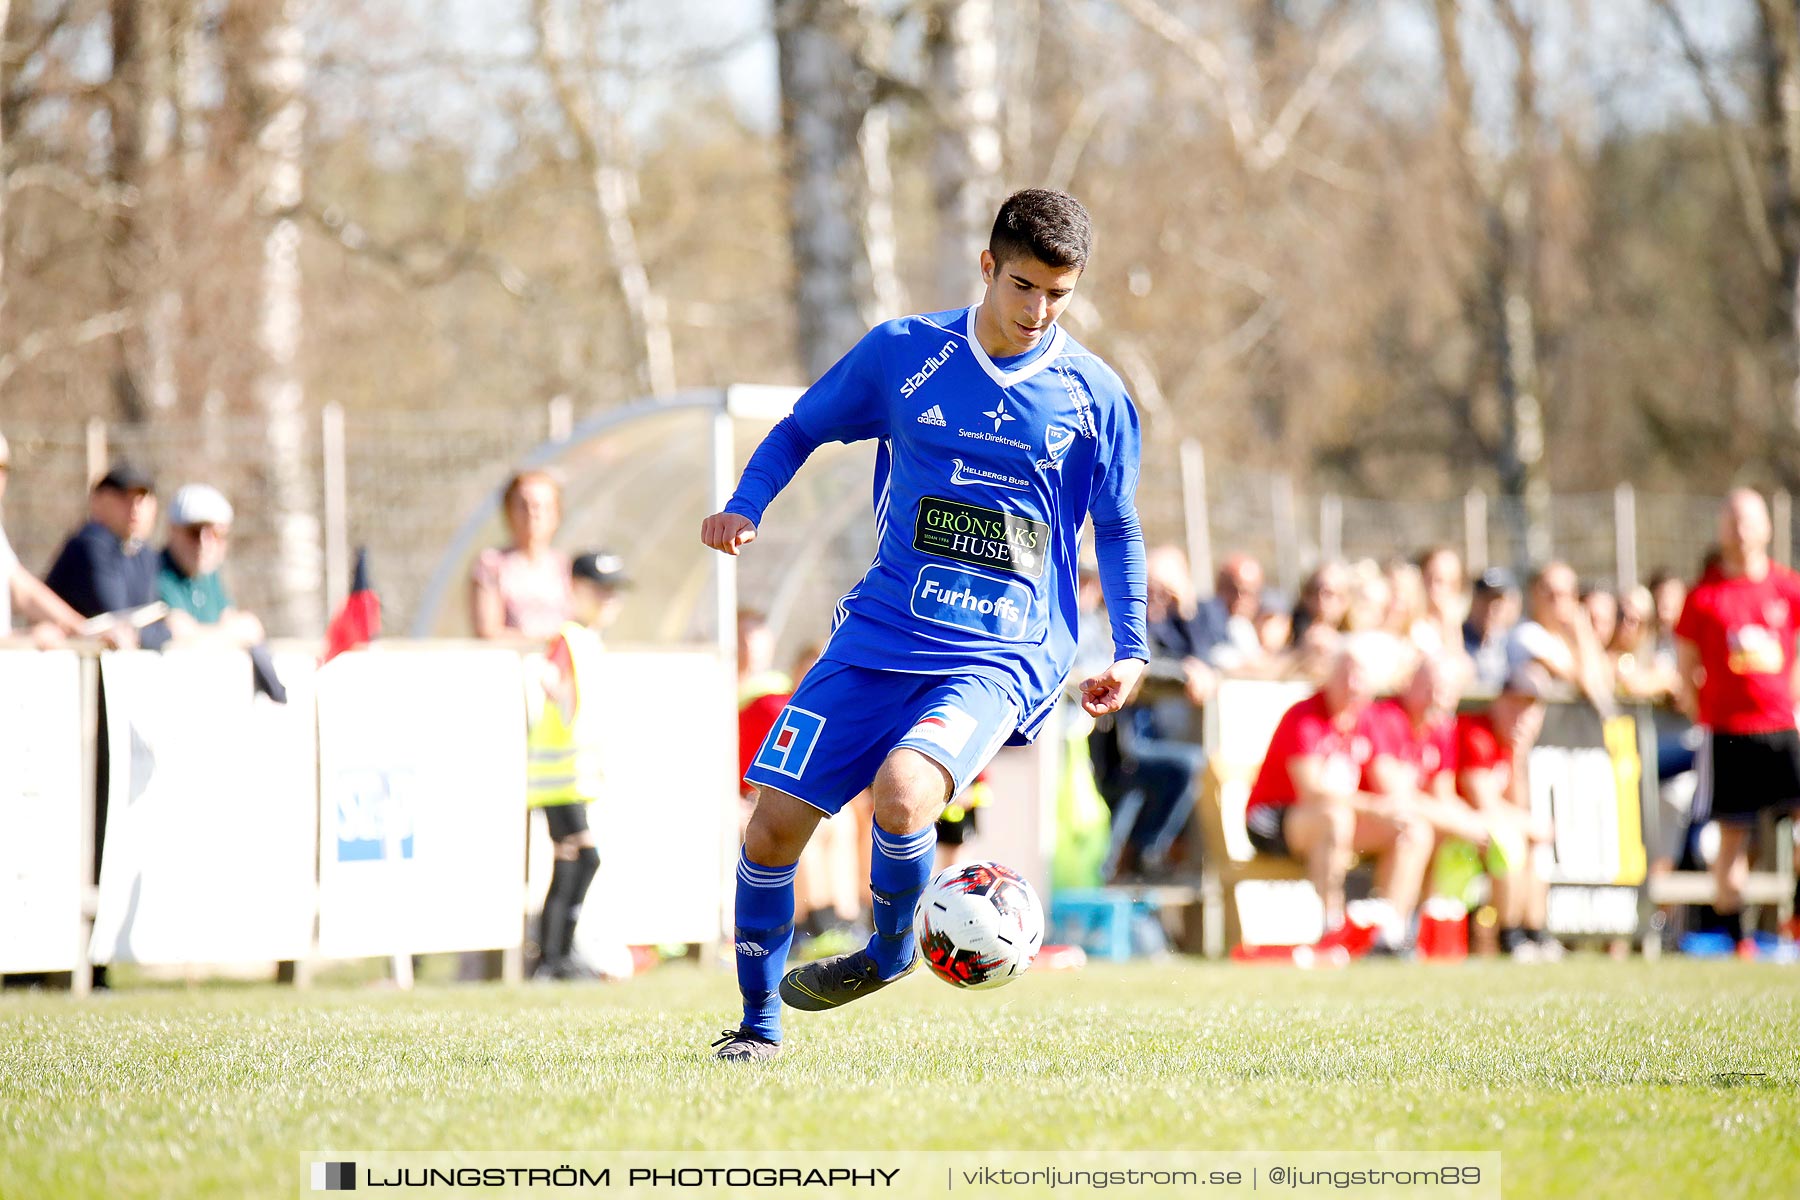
[105, 567]
[1493, 610]
[564, 772]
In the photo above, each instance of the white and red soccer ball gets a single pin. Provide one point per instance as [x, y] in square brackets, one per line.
[979, 925]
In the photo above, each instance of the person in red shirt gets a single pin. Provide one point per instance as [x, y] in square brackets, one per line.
[1308, 803]
[1734, 648]
[1493, 749]
[1415, 750]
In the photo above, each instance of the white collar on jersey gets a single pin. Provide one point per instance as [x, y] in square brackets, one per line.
[1009, 378]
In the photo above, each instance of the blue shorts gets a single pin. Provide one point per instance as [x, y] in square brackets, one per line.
[840, 725]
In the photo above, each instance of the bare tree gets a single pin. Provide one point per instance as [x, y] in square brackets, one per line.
[142, 107]
[278, 392]
[829, 92]
[6, 31]
[1500, 296]
[964, 74]
[1778, 60]
[1237, 89]
[128, 106]
[601, 149]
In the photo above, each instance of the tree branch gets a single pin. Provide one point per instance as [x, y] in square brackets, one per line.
[39, 342]
[1731, 142]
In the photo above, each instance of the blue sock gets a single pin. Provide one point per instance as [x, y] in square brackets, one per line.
[764, 929]
[898, 872]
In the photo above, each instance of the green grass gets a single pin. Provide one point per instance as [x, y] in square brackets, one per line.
[1592, 1078]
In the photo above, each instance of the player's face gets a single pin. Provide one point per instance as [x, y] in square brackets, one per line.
[1024, 298]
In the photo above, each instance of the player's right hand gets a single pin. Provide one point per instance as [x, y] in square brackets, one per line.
[725, 532]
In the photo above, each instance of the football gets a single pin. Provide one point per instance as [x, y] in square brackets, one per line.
[979, 925]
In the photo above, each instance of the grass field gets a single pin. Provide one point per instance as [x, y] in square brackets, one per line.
[1593, 1078]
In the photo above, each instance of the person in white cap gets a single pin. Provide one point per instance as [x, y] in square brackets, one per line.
[188, 580]
[53, 619]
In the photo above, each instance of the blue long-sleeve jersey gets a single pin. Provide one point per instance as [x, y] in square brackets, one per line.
[984, 474]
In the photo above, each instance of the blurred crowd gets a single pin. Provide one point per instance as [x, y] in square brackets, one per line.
[1437, 771]
[110, 583]
[1605, 641]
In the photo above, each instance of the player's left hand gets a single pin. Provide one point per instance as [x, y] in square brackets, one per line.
[1108, 691]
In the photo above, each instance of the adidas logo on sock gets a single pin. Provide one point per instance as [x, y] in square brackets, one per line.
[752, 949]
[932, 416]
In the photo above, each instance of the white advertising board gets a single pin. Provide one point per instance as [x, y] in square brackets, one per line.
[421, 801]
[40, 810]
[210, 834]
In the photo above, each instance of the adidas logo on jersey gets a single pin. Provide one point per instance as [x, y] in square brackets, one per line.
[932, 416]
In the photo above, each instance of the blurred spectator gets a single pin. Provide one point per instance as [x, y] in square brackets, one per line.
[1414, 759]
[188, 579]
[1641, 673]
[757, 676]
[1383, 601]
[1274, 626]
[104, 567]
[1405, 597]
[1438, 629]
[523, 589]
[1093, 648]
[1558, 637]
[522, 592]
[51, 618]
[1180, 642]
[1493, 609]
[1601, 604]
[1228, 621]
[1493, 752]
[1735, 638]
[1158, 745]
[1371, 598]
[1668, 592]
[1308, 803]
[1678, 740]
[1320, 618]
[566, 773]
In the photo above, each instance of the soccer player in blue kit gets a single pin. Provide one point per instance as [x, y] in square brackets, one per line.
[998, 435]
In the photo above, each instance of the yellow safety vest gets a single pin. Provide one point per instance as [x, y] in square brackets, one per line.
[563, 761]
